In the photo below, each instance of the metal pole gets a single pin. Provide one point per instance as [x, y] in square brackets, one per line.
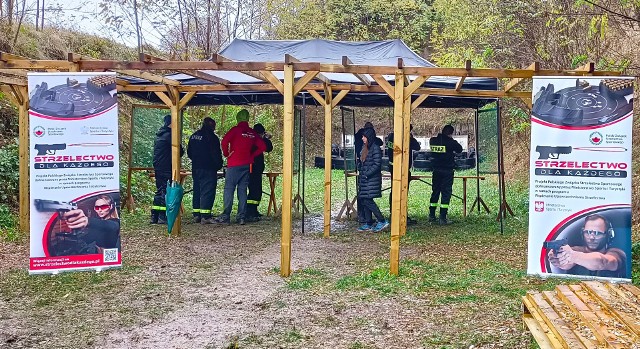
[303, 136]
[500, 188]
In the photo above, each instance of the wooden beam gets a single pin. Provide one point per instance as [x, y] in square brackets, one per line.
[413, 86]
[23, 157]
[273, 80]
[290, 59]
[328, 112]
[147, 58]
[587, 67]
[535, 67]
[13, 80]
[77, 59]
[467, 66]
[248, 67]
[338, 98]
[287, 171]
[418, 101]
[384, 84]
[164, 98]
[205, 76]
[6, 90]
[335, 87]
[363, 78]
[303, 81]
[317, 97]
[220, 60]
[404, 192]
[185, 99]
[396, 177]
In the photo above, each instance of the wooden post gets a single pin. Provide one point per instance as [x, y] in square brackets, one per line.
[175, 157]
[22, 97]
[287, 172]
[328, 100]
[398, 144]
[406, 154]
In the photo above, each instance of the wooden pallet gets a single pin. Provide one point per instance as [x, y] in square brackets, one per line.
[591, 314]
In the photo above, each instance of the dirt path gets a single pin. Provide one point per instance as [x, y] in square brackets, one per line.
[235, 303]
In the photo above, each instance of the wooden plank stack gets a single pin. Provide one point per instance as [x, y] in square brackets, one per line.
[591, 314]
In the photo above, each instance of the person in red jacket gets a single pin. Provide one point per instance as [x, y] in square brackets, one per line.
[240, 146]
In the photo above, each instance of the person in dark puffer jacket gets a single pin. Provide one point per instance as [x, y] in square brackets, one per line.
[370, 173]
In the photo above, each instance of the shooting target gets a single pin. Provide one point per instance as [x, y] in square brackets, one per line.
[584, 104]
[74, 99]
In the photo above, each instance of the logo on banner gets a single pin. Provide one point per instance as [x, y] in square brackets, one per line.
[539, 206]
[38, 131]
[595, 138]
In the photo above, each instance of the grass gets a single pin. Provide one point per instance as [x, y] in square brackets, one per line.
[465, 279]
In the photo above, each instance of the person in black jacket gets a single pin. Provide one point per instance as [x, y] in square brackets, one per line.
[101, 229]
[162, 170]
[206, 159]
[255, 177]
[370, 174]
[443, 147]
[414, 145]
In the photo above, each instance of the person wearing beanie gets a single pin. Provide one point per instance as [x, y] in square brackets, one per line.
[162, 170]
[255, 177]
[240, 146]
[443, 147]
[206, 159]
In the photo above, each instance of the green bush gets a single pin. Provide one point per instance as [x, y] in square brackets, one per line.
[9, 174]
[8, 224]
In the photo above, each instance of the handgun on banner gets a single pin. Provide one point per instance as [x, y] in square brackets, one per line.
[555, 245]
[550, 152]
[49, 149]
[54, 206]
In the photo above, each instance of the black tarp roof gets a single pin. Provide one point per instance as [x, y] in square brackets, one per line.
[373, 53]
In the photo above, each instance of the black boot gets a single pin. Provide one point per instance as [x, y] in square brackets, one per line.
[154, 217]
[443, 217]
[197, 218]
[162, 217]
[432, 214]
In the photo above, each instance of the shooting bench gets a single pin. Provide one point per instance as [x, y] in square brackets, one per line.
[591, 314]
[348, 207]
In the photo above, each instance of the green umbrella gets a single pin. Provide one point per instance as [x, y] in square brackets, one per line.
[175, 191]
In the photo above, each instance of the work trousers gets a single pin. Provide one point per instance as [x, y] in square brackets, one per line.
[236, 177]
[442, 185]
[204, 192]
[255, 192]
[159, 208]
[369, 208]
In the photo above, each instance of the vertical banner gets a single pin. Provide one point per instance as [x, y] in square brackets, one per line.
[580, 177]
[74, 172]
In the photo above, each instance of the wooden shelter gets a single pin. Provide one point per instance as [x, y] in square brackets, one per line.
[407, 91]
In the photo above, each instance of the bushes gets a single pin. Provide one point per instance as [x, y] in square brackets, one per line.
[9, 175]
[8, 224]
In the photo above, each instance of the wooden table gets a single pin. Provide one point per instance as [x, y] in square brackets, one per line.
[420, 178]
[297, 203]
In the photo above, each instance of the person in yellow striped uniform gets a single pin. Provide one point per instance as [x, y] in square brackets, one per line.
[443, 149]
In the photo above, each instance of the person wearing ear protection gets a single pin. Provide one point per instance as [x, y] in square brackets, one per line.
[595, 256]
[102, 226]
